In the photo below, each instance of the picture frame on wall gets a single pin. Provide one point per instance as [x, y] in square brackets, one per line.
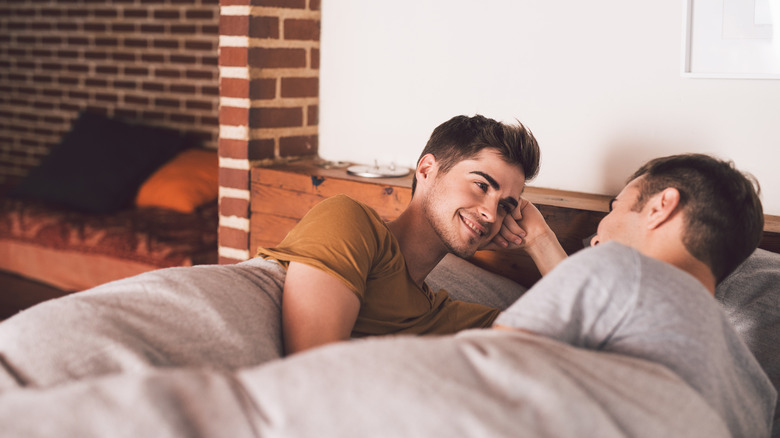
[731, 39]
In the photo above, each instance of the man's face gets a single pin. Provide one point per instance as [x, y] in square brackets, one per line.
[466, 205]
[622, 223]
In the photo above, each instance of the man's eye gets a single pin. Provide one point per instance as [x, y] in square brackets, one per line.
[507, 208]
[482, 186]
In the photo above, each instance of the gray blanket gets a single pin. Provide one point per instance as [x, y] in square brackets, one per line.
[196, 352]
[481, 383]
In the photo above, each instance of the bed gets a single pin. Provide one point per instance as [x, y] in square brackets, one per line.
[111, 200]
[184, 362]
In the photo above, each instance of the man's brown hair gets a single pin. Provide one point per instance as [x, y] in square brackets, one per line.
[724, 219]
[463, 137]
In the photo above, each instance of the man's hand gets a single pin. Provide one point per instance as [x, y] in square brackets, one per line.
[317, 308]
[526, 228]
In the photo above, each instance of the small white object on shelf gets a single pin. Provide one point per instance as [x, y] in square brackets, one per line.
[378, 171]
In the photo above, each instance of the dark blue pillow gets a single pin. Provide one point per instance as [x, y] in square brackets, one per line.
[99, 165]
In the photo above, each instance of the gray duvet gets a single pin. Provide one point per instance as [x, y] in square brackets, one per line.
[195, 352]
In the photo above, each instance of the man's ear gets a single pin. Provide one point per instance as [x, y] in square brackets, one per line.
[426, 168]
[662, 206]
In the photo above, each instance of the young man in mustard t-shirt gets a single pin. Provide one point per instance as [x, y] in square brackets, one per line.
[350, 274]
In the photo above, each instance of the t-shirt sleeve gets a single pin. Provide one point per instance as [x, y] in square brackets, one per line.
[582, 301]
[339, 236]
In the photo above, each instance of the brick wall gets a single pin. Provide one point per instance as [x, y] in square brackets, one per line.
[240, 75]
[153, 61]
[269, 100]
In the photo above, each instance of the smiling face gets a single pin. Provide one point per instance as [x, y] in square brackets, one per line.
[622, 222]
[466, 205]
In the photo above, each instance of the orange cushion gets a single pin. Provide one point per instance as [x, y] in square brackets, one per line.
[183, 184]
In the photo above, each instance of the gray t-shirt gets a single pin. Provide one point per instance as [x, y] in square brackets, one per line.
[614, 299]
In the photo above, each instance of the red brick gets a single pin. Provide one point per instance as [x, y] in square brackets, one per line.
[297, 146]
[300, 87]
[275, 117]
[264, 88]
[234, 178]
[168, 14]
[137, 100]
[165, 44]
[198, 105]
[208, 90]
[230, 87]
[167, 103]
[295, 29]
[230, 148]
[277, 58]
[313, 115]
[200, 74]
[152, 28]
[201, 14]
[315, 59]
[199, 45]
[263, 27]
[234, 207]
[295, 4]
[183, 118]
[262, 149]
[233, 238]
[234, 25]
[233, 56]
[183, 88]
[232, 116]
[183, 29]
[167, 73]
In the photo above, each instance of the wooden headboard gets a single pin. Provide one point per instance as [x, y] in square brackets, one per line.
[281, 195]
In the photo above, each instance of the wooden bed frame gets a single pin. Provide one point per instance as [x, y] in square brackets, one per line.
[281, 195]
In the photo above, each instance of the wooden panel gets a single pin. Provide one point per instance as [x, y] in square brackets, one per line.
[281, 196]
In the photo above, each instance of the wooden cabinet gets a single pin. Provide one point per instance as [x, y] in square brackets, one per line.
[282, 195]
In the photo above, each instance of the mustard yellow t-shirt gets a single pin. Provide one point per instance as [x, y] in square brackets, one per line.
[349, 240]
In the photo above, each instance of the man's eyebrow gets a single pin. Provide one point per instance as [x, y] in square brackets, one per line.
[493, 183]
[496, 186]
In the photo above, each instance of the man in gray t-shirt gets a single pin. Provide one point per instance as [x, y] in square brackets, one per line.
[612, 298]
[679, 227]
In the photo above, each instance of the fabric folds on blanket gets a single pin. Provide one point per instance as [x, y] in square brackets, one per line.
[212, 316]
[478, 383]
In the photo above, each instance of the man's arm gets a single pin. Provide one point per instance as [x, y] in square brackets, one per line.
[526, 228]
[317, 308]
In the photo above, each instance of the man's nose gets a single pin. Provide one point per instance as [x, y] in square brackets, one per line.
[488, 211]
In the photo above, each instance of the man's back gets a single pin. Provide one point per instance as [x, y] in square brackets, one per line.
[614, 299]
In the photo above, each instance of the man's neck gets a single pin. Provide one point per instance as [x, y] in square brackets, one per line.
[421, 247]
[677, 255]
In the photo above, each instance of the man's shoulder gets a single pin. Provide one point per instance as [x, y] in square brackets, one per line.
[346, 202]
[345, 206]
[606, 256]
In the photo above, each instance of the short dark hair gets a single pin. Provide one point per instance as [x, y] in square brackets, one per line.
[724, 219]
[463, 137]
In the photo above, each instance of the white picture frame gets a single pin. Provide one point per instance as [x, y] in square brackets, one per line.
[738, 39]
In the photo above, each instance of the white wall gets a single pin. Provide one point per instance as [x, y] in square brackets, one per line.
[598, 83]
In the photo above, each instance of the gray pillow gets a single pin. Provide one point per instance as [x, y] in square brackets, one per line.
[751, 298]
[467, 282]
